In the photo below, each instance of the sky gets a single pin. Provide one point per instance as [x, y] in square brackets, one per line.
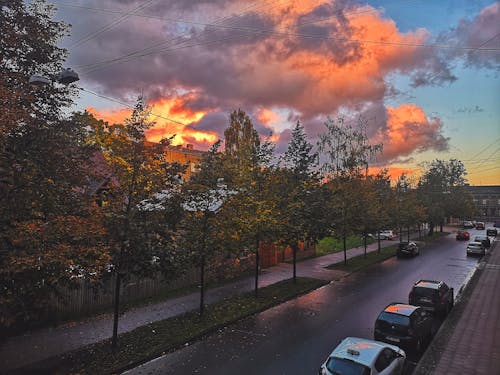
[423, 76]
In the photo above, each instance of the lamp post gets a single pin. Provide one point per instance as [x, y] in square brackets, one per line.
[65, 77]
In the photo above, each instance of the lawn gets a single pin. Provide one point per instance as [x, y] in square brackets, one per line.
[330, 245]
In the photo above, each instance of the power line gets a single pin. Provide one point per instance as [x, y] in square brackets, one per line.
[109, 26]
[131, 106]
[277, 32]
[140, 53]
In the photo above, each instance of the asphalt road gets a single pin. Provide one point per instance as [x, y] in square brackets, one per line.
[297, 336]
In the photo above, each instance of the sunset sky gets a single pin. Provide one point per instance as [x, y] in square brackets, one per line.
[423, 74]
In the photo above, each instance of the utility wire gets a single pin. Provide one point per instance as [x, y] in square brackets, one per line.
[125, 15]
[150, 50]
[282, 33]
[130, 106]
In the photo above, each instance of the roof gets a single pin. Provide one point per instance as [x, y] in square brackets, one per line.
[368, 350]
[431, 284]
[401, 309]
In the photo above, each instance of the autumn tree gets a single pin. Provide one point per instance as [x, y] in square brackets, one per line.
[345, 152]
[135, 176]
[248, 162]
[440, 187]
[204, 197]
[295, 191]
[50, 236]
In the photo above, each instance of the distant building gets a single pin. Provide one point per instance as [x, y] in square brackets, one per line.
[487, 201]
[185, 155]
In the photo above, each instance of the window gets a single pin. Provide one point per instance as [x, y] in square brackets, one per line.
[384, 359]
[485, 202]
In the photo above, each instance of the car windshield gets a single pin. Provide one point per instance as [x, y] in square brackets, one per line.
[391, 318]
[341, 366]
[480, 238]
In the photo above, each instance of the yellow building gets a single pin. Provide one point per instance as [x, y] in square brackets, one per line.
[184, 155]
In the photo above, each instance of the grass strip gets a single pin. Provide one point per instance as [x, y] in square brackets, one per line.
[361, 261]
[329, 245]
[152, 340]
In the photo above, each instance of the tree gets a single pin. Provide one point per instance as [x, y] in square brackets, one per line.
[135, 174]
[205, 196]
[44, 168]
[298, 179]
[440, 187]
[248, 166]
[345, 153]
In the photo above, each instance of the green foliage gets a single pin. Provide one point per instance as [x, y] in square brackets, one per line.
[442, 191]
[328, 245]
[50, 236]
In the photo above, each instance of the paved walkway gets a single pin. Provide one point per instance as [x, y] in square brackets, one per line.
[43, 343]
[474, 346]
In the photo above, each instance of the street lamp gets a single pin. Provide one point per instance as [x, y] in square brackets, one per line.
[65, 77]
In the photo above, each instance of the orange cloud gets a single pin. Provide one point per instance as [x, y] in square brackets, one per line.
[162, 110]
[409, 130]
[267, 117]
[394, 172]
[113, 116]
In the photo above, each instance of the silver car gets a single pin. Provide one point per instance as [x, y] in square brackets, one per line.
[475, 248]
[364, 357]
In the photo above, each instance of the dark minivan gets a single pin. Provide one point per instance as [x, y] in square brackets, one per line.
[433, 296]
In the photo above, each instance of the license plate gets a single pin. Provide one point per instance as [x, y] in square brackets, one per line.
[395, 339]
[425, 300]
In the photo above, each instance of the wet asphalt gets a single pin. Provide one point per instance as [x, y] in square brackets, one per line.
[297, 336]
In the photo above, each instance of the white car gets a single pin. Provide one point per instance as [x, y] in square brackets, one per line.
[475, 248]
[386, 235]
[364, 357]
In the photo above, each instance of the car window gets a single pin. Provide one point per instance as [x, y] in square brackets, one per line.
[341, 366]
[424, 292]
[394, 318]
[385, 358]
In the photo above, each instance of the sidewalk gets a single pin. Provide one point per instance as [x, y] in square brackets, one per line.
[473, 346]
[43, 343]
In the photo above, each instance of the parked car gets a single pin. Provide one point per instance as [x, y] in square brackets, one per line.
[358, 356]
[407, 248]
[484, 240]
[497, 224]
[433, 296]
[462, 235]
[468, 224]
[386, 235]
[480, 225]
[492, 232]
[475, 248]
[407, 326]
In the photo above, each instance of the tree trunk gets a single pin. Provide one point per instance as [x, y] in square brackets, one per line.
[345, 247]
[116, 306]
[364, 241]
[294, 249]
[378, 242]
[202, 284]
[408, 232]
[257, 260]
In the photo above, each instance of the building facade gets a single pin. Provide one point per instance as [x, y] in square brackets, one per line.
[487, 202]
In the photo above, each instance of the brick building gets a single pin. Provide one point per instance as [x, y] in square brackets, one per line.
[487, 201]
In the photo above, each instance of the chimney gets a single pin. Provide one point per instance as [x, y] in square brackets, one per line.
[189, 146]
